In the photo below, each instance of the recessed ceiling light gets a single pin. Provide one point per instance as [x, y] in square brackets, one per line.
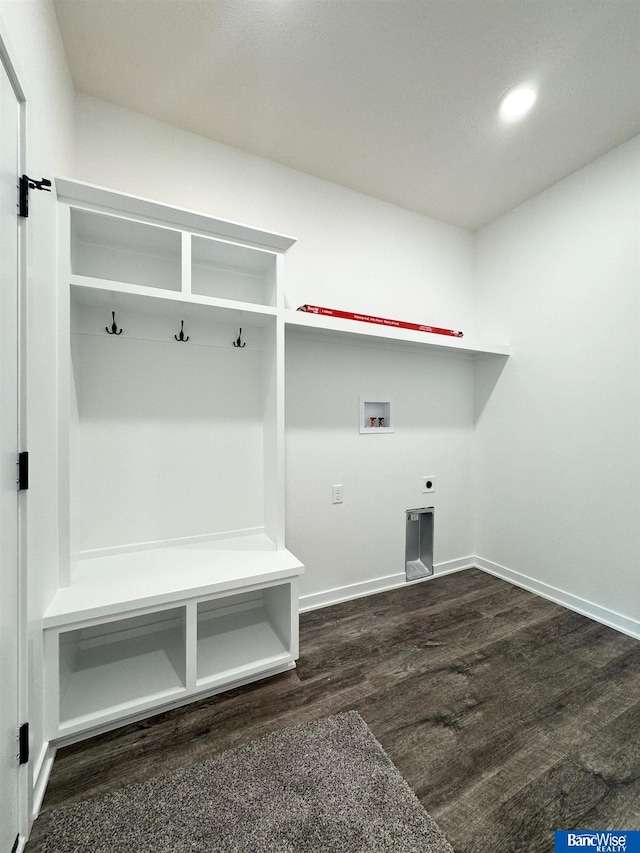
[517, 101]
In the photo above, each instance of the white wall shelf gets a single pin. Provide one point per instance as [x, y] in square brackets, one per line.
[367, 334]
[139, 298]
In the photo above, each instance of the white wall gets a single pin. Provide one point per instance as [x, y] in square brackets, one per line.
[353, 252]
[558, 439]
[356, 253]
[357, 546]
[29, 29]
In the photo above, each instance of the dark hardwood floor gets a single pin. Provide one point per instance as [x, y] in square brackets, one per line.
[508, 715]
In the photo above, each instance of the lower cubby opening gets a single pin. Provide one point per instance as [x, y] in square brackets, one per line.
[119, 663]
[242, 633]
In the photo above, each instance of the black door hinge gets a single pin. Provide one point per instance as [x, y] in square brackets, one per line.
[23, 743]
[25, 184]
[23, 470]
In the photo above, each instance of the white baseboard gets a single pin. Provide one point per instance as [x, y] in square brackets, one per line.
[610, 618]
[621, 623]
[313, 601]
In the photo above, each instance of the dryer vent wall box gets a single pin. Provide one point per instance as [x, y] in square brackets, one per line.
[419, 543]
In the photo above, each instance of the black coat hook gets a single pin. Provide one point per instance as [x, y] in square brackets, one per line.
[114, 329]
[181, 336]
[238, 341]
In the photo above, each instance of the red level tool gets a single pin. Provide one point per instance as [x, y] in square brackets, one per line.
[380, 321]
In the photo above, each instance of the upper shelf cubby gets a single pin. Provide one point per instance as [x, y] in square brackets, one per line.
[133, 245]
[123, 250]
[228, 271]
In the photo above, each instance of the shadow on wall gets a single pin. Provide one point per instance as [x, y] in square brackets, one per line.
[488, 372]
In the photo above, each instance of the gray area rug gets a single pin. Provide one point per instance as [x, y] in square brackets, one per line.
[321, 786]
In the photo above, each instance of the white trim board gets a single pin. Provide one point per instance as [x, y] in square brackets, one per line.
[607, 617]
[313, 601]
[43, 768]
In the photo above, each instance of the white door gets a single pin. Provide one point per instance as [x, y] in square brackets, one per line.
[9, 625]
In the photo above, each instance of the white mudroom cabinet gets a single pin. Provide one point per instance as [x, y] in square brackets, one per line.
[174, 580]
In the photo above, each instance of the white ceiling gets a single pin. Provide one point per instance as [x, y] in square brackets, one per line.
[393, 98]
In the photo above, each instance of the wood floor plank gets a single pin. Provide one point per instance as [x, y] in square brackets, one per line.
[508, 715]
